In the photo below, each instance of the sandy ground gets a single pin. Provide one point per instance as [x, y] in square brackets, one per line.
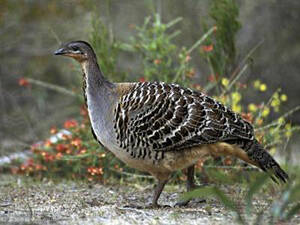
[23, 201]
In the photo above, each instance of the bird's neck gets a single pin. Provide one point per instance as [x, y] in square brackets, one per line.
[95, 83]
[98, 93]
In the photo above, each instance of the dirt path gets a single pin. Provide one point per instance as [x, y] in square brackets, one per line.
[23, 201]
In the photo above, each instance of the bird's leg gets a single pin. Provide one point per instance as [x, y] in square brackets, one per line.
[158, 189]
[153, 204]
[190, 185]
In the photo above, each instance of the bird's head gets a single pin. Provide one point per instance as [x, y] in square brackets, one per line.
[78, 50]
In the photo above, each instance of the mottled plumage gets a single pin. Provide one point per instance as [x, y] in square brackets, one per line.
[159, 128]
[157, 117]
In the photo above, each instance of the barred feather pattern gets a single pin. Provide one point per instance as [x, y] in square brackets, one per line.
[153, 118]
[166, 117]
[265, 161]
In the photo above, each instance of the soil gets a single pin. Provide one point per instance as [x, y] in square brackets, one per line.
[25, 201]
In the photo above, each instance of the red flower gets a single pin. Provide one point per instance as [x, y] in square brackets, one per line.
[83, 111]
[82, 151]
[53, 130]
[69, 151]
[76, 142]
[215, 28]
[187, 58]
[241, 85]
[29, 162]
[70, 124]
[60, 147]
[142, 79]
[66, 137]
[197, 87]
[58, 155]
[248, 117]
[47, 143]
[213, 78]
[157, 61]
[23, 82]
[47, 157]
[207, 48]
[95, 171]
[190, 73]
[40, 167]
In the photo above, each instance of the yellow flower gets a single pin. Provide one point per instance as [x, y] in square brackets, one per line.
[283, 97]
[281, 120]
[252, 107]
[236, 108]
[288, 133]
[263, 87]
[265, 112]
[225, 82]
[272, 151]
[223, 99]
[256, 84]
[288, 128]
[236, 97]
[275, 102]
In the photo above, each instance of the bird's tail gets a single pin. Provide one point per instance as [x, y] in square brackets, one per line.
[260, 157]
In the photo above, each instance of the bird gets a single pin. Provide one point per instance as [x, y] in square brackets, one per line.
[160, 128]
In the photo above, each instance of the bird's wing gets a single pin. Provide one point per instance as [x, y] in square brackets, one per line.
[166, 117]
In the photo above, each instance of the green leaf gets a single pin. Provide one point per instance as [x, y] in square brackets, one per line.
[173, 22]
[293, 211]
[198, 193]
[219, 176]
[214, 191]
[254, 188]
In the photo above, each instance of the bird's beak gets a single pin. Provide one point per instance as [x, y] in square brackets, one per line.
[61, 51]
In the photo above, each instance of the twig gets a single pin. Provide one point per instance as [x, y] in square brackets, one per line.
[265, 105]
[199, 42]
[253, 50]
[5, 204]
[271, 144]
[55, 36]
[30, 210]
[246, 58]
[173, 22]
[245, 67]
[133, 175]
[245, 64]
[275, 122]
[232, 167]
[52, 87]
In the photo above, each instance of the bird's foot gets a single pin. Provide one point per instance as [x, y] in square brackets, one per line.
[156, 206]
[147, 206]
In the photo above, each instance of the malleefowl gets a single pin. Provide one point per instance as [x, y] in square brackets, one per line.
[160, 128]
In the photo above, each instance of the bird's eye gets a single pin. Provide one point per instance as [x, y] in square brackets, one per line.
[75, 48]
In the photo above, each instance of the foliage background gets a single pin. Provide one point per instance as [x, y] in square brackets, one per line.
[130, 48]
[32, 30]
